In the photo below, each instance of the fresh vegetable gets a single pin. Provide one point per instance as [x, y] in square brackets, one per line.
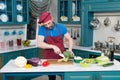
[20, 61]
[108, 64]
[68, 54]
[33, 61]
[102, 58]
[45, 63]
[26, 43]
[27, 66]
[63, 60]
[102, 63]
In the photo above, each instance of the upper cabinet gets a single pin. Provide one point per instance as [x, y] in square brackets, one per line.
[14, 12]
[69, 11]
[100, 1]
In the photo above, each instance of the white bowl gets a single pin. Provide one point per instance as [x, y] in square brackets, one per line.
[2, 6]
[19, 18]
[19, 7]
[4, 17]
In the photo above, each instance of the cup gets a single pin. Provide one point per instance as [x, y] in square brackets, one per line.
[19, 41]
[2, 44]
[10, 43]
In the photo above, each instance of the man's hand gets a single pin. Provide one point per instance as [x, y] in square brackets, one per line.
[56, 49]
[71, 52]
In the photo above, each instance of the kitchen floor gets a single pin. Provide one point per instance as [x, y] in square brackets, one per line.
[46, 78]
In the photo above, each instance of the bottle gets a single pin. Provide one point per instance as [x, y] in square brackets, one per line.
[111, 55]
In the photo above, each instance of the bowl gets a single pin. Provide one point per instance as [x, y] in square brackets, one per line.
[77, 61]
[82, 64]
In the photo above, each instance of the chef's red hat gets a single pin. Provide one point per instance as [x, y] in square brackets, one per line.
[44, 17]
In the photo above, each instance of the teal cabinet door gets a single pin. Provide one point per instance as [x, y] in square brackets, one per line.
[69, 11]
[29, 53]
[9, 55]
[109, 75]
[95, 0]
[14, 12]
[79, 76]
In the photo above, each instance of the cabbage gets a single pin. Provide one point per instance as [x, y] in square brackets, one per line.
[20, 61]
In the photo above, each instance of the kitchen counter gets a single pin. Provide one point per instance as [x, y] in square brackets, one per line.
[16, 48]
[11, 70]
[11, 67]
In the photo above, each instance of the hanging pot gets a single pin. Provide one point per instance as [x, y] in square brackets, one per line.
[107, 22]
[117, 26]
[95, 23]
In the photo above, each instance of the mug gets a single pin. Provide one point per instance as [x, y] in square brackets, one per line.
[19, 41]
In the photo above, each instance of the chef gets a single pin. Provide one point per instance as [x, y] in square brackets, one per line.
[50, 38]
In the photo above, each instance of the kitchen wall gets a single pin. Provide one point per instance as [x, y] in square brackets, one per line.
[104, 32]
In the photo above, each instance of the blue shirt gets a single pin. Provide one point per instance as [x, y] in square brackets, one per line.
[52, 32]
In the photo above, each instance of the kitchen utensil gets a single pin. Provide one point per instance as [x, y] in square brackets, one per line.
[55, 62]
[61, 55]
[117, 26]
[111, 41]
[95, 23]
[78, 33]
[107, 21]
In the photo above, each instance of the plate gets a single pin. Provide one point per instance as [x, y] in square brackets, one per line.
[4, 17]
[19, 7]
[2, 6]
[19, 18]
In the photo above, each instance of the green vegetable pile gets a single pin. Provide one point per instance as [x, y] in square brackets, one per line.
[68, 55]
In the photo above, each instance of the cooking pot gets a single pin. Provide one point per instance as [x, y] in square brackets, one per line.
[107, 21]
[117, 26]
[95, 23]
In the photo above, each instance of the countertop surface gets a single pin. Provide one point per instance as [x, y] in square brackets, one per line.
[11, 67]
[16, 48]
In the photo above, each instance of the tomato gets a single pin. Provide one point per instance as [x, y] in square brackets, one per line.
[45, 63]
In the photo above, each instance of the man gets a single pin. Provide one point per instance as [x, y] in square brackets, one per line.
[50, 38]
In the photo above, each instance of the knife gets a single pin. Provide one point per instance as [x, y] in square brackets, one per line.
[61, 55]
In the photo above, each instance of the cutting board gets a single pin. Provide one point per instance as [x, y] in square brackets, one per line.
[55, 62]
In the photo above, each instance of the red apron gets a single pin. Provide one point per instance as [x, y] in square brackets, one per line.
[58, 41]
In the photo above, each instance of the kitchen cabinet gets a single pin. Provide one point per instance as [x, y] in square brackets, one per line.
[98, 75]
[14, 12]
[94, 0]
[81, 53]
[79, 76]
[69, 11]
[27, 53]
[109, 75]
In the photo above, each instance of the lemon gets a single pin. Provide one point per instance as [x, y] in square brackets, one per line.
[27, 66]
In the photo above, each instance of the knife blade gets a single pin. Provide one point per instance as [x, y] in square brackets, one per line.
[61, 55]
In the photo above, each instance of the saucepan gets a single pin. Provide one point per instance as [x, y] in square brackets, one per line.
[107, 21]
[95, 23]
[117, 26]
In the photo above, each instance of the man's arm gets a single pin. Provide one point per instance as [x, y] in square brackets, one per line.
[44, 45]
[70, 41]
